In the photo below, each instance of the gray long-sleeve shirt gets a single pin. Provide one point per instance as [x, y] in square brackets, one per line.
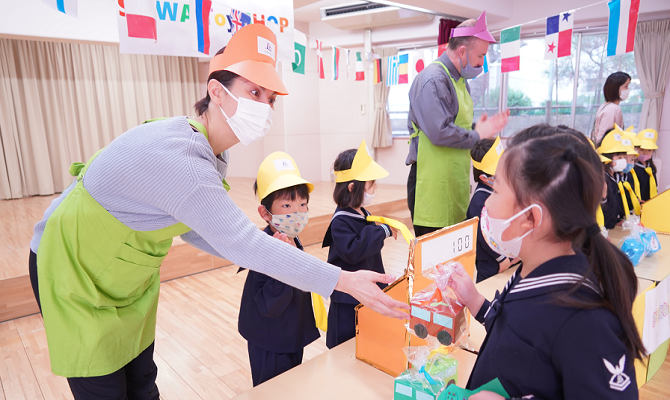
[433, 106]
[161, 173]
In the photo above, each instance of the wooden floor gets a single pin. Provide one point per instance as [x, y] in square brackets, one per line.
[199, 353]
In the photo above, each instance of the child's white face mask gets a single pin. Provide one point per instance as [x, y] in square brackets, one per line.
[367, 199]
[290, 224]
[493, 228]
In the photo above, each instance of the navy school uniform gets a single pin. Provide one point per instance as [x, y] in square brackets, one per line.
[643, 178]
[355, 244]
[277, 321]
[538, 347]
[613, 210]
[487, 261]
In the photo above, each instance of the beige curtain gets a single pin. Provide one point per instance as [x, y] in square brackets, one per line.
[652, 59]
[61, 102]
[382, 135]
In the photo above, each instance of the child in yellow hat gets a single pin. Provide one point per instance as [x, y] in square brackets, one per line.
[355, 243]
[645, 169]
[485, 155]
[276, 319]
[621, 200]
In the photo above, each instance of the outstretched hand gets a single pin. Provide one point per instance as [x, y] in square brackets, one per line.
[282, 236]
[489, 127]
[362, 286]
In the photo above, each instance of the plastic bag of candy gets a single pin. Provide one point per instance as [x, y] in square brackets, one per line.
[436, 314]
[640, 242]
[431, 371]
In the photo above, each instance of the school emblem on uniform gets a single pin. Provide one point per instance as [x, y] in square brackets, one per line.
[619, 381]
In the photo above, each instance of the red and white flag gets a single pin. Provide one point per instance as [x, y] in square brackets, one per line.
[141, 18]
[360, 70]
[558, 39]
[319, 60]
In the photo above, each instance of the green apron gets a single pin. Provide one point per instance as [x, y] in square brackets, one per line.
[99, 283]
[443, 173]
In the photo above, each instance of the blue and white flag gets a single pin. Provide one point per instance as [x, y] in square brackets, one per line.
[392, 73]
[68, 7]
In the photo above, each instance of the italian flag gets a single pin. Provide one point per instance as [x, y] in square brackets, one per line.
[336, 62]
[510, 49]
[360, 71]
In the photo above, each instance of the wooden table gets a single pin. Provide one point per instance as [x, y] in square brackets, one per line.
[337, 374]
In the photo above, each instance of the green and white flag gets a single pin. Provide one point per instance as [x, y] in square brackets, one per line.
[360, 71]
[300, 45]
[510, 49]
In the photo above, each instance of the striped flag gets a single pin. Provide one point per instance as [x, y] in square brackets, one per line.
[346, 55]
[392, 71]
[319, 60]
[622, 25]
[141, 18]
[336, 62]
[67, 7]
[510, 49]
[360, 71]
[558, 39]
[200, 23]
[403, 68]
[377, 69]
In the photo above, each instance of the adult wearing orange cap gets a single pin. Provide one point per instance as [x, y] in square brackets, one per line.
[95, 257]
[441, 121]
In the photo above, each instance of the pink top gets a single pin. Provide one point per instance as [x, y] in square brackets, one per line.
[608, 114]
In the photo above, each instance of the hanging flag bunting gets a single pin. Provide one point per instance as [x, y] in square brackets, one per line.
[558, 39]
[141, 18]
[622, 25]
[200, 23]
[237, 20]
[346, 55]
[360, 71]
[403, 64]
[336, 62]
[441, 49]
[67, 7]
[377, 69]
[485, 67]
[319, 60]
[510, 49]
[392, 71]
[300, 48]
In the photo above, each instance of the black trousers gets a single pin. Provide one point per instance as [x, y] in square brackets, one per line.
[265, 365]
[135, 381]
[341, 323]
[411, 198]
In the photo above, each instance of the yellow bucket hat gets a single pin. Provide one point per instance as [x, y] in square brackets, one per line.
[278, 171]
[363, 169]
[613, 143]
[632, 136]
[602, 157]
[648, 138]
[489, 162]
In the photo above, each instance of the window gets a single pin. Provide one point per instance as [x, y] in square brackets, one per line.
[543, 91]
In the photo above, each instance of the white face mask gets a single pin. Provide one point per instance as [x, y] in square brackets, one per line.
[367, 199]
[493, 228]
[624, 94]
[290, 224]
[251, 121]
[619, 165]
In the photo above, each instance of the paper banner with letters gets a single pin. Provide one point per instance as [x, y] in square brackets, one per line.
[199, 28]
[656, 319]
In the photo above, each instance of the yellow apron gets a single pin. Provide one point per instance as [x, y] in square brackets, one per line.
[443, 173]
